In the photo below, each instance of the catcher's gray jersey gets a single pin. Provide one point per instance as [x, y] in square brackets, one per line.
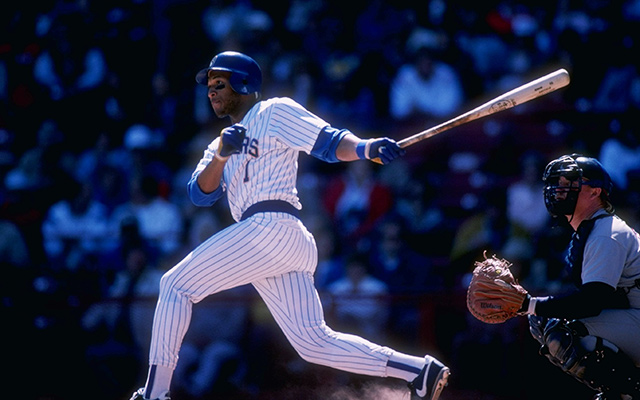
[612, 256]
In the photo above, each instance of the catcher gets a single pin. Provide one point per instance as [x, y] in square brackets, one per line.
[592, 333]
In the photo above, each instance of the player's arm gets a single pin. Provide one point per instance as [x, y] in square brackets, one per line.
[589, 300]
[210, 177]
[335, 145]
[205, 186]
[347, 149]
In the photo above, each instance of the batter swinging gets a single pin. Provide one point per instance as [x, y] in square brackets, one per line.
[255, 162]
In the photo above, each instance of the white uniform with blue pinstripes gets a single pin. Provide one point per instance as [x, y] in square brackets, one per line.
[271, 250]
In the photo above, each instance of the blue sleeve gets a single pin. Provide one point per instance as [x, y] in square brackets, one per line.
[327, 143]
[200, 198]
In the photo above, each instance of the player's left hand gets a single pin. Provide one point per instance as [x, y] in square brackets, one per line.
[494, 295]
[385, 150]
[231, 140]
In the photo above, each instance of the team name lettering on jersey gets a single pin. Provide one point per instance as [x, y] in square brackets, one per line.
[250, 146]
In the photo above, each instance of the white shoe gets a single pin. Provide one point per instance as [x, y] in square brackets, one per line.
[138, 395]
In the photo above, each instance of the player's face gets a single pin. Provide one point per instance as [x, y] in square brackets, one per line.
[224, 101]
[564, 186]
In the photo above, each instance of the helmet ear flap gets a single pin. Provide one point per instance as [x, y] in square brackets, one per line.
[241, 83]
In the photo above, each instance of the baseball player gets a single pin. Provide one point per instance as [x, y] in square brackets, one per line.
[592, 333]
[254, 161]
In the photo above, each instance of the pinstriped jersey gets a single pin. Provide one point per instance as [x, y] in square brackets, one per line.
[267, 167]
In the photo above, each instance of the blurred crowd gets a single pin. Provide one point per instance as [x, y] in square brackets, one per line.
[102, 123]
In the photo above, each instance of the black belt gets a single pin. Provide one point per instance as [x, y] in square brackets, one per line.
[270, 206]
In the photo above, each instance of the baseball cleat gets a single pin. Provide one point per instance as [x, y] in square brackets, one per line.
[609, 396]
[138, 395]
[431, 380]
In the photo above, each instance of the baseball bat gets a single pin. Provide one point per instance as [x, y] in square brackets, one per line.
[522, 94]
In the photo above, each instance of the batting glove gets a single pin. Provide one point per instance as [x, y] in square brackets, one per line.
[231, 140]
[383, 149]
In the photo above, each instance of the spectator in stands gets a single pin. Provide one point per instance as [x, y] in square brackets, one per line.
[212, 354]
[28, 173]
[425, 87]
[160, 221]
[404, 271]
[423, 220]
[102, 153]
[71, 65]
[142, 147]
[359, 299]
[74, 227]
[357, 200]
[13, 248]
[44, 165]
[486, 228]
[116, 325]
[114, 257]
[527, 216]
[72, 70]
[109, 187]
[330, 266]
[620, 154]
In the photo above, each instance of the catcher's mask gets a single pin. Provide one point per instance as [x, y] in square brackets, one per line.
[561, 196]
[246, 76]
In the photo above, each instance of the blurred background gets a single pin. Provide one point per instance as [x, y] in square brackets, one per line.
[102, 123]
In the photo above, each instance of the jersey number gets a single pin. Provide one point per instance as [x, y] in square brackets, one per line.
[246, 171]
[250, 146]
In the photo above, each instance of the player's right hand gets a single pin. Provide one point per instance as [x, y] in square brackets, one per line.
[231, 139]
[385, 150]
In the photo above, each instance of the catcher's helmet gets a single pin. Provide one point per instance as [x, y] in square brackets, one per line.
[578, 170]
[246, 76]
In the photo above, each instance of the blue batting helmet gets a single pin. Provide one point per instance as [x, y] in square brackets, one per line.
[246, 76]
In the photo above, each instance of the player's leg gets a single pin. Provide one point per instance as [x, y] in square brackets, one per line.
[296, 307]
[592, 360]
[619, 327]
[233, 257]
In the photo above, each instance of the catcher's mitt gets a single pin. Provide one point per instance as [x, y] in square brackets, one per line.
[494, 295]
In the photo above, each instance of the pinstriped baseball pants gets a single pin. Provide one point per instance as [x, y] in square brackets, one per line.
[277, 255]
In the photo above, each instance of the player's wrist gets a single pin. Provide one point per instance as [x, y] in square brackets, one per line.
[363, 149]
[221, 158]
[529, 305]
